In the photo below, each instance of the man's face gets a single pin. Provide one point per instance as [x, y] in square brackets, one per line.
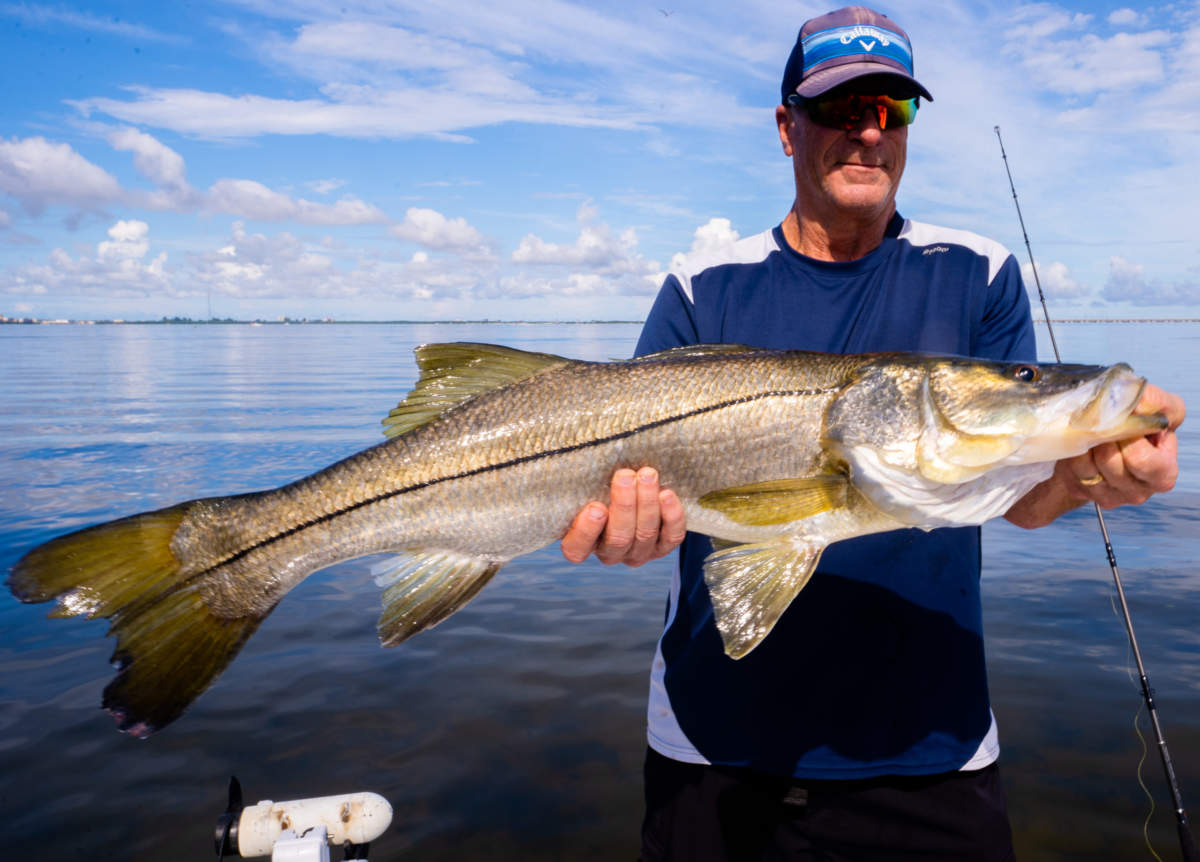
[843, 176]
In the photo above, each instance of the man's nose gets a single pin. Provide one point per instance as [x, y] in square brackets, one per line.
[868, 131]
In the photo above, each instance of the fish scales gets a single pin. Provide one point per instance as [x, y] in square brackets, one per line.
[496, 450]
[465, 481]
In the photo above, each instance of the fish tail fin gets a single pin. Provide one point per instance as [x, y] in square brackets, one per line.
[752, 585]
[170, 644]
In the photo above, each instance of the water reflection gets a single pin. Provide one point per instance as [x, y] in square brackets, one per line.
[515, 729]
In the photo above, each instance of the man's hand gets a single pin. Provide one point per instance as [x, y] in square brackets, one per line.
[1112, 474]
[642, 522]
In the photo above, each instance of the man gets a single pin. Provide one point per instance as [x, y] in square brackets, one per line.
[860, 728]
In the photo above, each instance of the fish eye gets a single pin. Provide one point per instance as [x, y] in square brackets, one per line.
[1026, 373]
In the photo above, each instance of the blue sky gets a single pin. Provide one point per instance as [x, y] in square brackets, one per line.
[545, 159]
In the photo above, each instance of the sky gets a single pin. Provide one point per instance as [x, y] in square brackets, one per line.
[548, 159]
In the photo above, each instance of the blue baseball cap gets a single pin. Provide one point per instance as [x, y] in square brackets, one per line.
[846, 44]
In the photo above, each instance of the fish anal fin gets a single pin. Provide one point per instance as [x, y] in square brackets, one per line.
[452, 374]
[752, 585]
[779, 501]
[422, 588]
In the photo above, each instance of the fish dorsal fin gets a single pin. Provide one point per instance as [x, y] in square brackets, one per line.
[422, 588]
[752, 585]
[454, 373]
[779, 501]
[695, 350]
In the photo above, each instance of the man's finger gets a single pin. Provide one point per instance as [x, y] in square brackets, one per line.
[1156, 400]
[621, 528]
[648, 521]
[1082, 473]
[585, 530]
[673, 528]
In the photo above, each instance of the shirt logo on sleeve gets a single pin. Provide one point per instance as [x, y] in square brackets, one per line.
[936, 249]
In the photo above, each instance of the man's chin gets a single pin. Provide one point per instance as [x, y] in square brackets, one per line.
[864, 198]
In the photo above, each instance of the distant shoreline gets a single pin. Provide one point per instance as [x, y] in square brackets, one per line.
[183, 321]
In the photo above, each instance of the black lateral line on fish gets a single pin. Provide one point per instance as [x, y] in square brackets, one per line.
[514, 462]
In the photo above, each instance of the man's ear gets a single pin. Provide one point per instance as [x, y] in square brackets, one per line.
[783, 119]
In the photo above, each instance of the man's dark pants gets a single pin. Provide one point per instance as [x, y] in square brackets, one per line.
[697, 813]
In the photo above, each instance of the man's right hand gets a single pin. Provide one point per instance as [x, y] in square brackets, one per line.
[642, 522]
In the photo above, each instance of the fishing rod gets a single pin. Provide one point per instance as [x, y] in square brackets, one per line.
[1187, 843]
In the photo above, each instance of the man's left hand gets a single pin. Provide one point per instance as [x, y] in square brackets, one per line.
[1112, 474]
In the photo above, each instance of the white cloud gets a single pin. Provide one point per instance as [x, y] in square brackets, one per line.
[1056, 281]
[609, 259]
[252, 200]
[1126, 17]
[410, 69]
[432, 229]
[245, 265]
[128, 240]
[1127, 282]
[41, 173]
[597, 247]
[1061, 58]
[350, 111]
[119, 268]
[257, 265]
[153, 159]
[324, 187]
[710, 240]
[33, 14]
[381, 45]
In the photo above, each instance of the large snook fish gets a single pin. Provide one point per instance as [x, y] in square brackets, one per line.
[775, 454]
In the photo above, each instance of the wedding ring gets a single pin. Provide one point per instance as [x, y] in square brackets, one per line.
[1092, 480]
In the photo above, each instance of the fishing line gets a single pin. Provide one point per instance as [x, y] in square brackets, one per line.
[1137, 729]
[1187, 843]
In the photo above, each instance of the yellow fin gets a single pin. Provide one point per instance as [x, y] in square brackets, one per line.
[696, 350]
[425, 587]
[170, 645]
[752, 585]
[779, 501]
[454, 373]
[167, 654]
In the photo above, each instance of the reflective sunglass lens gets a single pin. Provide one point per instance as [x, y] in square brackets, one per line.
[846, 112]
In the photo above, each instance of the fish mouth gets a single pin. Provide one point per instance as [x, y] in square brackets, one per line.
[1110, 410]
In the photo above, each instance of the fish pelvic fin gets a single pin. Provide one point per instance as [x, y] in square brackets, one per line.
[170, 645]
[422, 588]
[779, 501]
[452, 374]
[752, 585]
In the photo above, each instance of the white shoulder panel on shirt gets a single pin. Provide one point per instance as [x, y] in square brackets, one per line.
[751, 249]
[931, 235]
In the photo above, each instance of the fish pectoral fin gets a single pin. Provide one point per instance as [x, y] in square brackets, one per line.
[422, 588]
[720, 544]
[454, 373]
[779, 501]
[752, 585]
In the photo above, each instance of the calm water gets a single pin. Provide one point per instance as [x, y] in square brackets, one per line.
[515, 729]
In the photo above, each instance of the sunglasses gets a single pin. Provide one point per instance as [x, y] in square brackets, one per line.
[846, 111]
